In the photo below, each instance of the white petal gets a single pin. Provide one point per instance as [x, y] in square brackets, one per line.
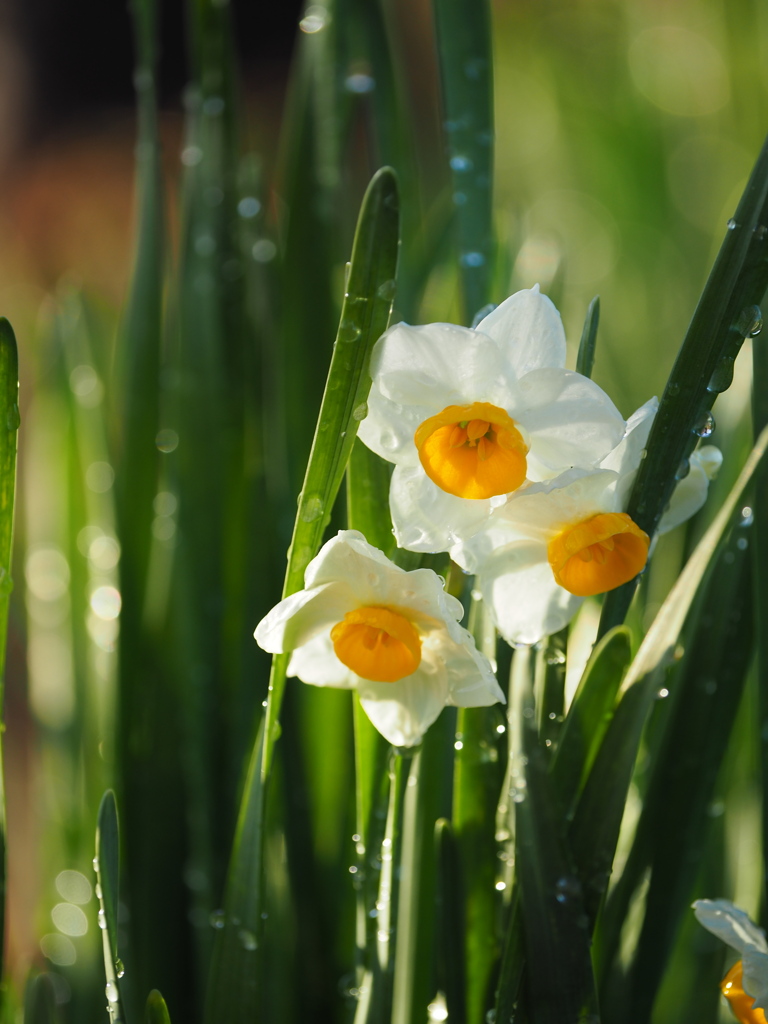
[421, 595]
[626, 456]
[471, 682]
[528, 329]
[538, 512]
[300, 617]
[350, 558]
[570, 420]
[731, 924]
[736, 930]
[388, 428]
[755, 967]
[525, 602]
[691, 492]
[403, 711]
[546, 508]
[316, 663]
[436, 365]
[427, 518]
[710, 458]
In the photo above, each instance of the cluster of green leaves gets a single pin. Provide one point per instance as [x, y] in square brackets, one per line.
[477, 880]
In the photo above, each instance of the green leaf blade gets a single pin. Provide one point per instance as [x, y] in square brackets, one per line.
[593, 833]
[589, 713]
[586, 357]
[234, 984]
[560, 985]
[726, 313]
[156, 1012]
[706, 690]
[466, 72]
[364, 317]
[107, 867]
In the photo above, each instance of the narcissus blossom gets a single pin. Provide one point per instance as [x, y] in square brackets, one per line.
[555, 543]
[468, 416]
[745, 986]
[363, 623]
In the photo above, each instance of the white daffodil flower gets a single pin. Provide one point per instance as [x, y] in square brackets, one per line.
[363, 623]
[468, 416]
[550, 546]
[745, 986]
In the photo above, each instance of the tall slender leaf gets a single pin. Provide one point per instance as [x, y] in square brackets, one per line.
[233, 992]
[706, 690]
[586, 357]
[156, 1011]
[595, 827]
[727, 312]
[560, 986]
[107, 866]
[9, 425]
[759, 510]
[589, 714]
[40, 1001]
[466, 72]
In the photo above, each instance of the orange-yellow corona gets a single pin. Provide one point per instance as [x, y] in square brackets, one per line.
[377, 643]
[472, 451]
[732, 987]
[598, 554]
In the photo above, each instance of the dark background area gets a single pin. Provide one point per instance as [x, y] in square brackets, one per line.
[79, 57]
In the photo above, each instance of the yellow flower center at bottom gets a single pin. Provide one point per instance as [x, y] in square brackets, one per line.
[732, 987]
[472, 451]
[598, 554]
[377, 643]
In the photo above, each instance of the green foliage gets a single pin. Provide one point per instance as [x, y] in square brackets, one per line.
[277, 860]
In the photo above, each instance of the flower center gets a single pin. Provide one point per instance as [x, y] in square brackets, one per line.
[733, 989]
[598, 554]
[472, 451]
[377, 644]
